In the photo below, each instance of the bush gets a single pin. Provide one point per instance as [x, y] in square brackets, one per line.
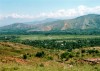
[77, 54]
[64, 55]
[50, 58]
[41, 65]
[67, 55]
[71, 55]
[92, 51]
[24, 56]
[83, 50]
[40, 54]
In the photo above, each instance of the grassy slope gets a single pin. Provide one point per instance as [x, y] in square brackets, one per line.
[11, 59]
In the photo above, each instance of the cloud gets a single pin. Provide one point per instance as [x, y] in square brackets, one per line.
[80, 10]
[74, 12]
[1, 17]
[15, 15]
[69, 13]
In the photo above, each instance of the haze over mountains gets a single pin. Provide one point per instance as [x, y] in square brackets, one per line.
[90, 21]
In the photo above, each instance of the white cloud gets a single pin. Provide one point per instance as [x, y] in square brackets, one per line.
[1, 17]
[69, 13]
[15, 15]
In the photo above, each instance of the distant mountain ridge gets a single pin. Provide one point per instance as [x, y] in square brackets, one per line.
[90, 21]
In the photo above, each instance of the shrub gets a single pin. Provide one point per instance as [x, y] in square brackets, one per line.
[70, 55]
[40, 54]
[24, 56]
[83, 51]
[66, 55]
[41, 65]
[92, 51]
[50, 58]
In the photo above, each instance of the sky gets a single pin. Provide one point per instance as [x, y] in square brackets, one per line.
[38, 9]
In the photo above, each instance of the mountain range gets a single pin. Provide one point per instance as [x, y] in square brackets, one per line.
[90, 21]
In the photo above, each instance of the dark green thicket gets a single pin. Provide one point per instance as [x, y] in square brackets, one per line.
[11, 38]
[92, 51]
[64, 44]
[69, 44]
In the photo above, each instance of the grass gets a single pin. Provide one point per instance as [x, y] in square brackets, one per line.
[17, 67]
[49, 37]
[11, 59]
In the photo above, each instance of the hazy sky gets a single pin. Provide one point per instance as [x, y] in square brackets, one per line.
[34, 9]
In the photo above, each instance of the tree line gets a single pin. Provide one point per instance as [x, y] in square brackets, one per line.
[63, 44]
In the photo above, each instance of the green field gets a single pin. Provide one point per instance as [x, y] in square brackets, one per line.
[49, 37]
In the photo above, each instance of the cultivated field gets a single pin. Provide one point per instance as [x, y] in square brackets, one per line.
[49, 37]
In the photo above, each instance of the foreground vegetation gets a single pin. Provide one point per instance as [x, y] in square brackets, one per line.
[19, 57]
[58, 53]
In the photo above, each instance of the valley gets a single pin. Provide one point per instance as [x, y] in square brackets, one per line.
[51, 45]
[49, 53]
[49, 35]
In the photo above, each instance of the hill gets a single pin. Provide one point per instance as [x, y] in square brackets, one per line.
[89, 22]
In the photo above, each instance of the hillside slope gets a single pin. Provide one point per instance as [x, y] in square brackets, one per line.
[19, 57]
[90, 21]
